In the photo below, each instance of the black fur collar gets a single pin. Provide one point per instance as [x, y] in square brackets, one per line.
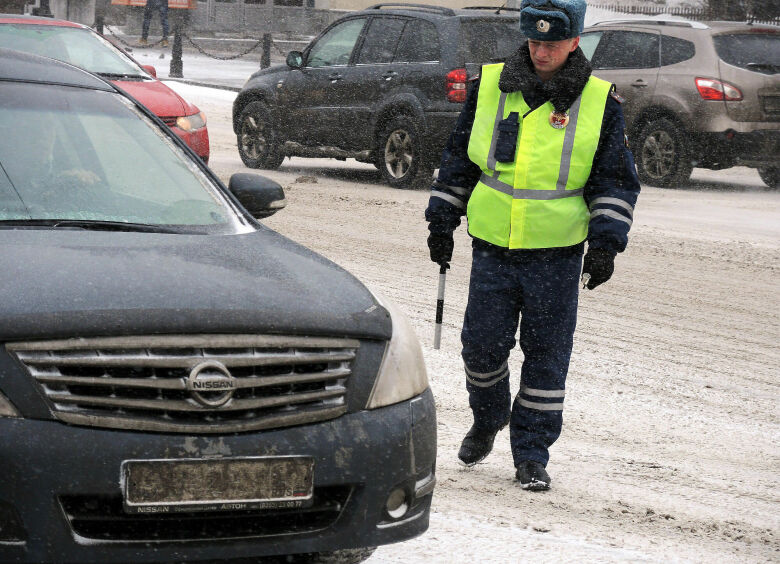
[562, 89]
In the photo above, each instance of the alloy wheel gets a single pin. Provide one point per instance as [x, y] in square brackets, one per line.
[659, 154]
[399, 153]
[253, 141]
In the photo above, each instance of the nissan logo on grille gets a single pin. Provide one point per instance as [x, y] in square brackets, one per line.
[211, 384]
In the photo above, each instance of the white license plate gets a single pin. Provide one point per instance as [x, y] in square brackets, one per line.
[224, 484]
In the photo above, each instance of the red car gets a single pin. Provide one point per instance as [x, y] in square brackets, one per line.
[81, 46]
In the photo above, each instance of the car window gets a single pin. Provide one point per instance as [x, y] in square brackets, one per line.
[588, 43]
[483, 41]
[381, 40]
[335, 47]
[92, 155]
[675, 50]
[754, 51]
[419, 43]
[77, 46]
[627, 50]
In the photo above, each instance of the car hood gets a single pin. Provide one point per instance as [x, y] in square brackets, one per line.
[156, 96]
[76, 283]
[270, 71]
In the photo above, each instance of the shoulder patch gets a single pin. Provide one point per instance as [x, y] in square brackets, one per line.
[473, 78]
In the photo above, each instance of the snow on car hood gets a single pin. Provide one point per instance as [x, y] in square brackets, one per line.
[76, 283]
[156, 96]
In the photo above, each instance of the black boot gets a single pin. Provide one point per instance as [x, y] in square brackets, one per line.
[476, 445]
[532, 476]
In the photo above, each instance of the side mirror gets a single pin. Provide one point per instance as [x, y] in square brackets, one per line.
[295, 59]
[150, 69]
[261, 196]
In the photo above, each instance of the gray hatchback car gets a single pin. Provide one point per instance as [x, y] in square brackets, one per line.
[697, 94]
[177, 381]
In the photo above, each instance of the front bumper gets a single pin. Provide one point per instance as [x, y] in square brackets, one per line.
[197, 140]
[60, 493]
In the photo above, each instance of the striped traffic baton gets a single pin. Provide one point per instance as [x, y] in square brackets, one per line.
[440, 304]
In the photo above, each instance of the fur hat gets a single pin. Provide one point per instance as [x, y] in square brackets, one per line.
[552, 20]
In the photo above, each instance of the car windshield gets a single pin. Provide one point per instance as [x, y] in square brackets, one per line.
[91, 155]
[77, 46]
[482, 41]
[754, 51]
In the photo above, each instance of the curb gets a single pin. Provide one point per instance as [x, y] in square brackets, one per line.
[204, 84]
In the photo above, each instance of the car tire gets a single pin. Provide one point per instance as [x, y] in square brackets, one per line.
[770, 176]
[400, 156]
[345, 556]
[257, 142]
[662, 156]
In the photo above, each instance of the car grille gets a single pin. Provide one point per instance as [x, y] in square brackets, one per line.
[103, 518]
[192, 384]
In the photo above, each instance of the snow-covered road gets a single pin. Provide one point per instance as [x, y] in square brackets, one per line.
[671, 442]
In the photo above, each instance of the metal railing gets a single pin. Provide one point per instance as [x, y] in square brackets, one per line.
[696, 14]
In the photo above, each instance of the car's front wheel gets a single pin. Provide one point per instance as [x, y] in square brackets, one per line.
[400, 156]
[257, 143]
[770, 176]
[662, 155]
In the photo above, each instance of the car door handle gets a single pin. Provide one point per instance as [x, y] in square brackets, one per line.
[639, 84]
[389, 75]
[335, 77]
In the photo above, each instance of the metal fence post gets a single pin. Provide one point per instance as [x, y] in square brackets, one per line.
[100, 15]
[265, 58]
[177, 65]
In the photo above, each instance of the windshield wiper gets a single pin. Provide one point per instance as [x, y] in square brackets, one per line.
[119, 75]
[95, 225]
[764, 66]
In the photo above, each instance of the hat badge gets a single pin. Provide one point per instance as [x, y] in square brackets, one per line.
[543, 26]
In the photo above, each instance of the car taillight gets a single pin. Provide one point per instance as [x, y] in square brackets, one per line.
[711, 89]
[456, 85]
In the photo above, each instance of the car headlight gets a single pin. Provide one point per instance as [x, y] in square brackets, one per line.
[6, 407]
[191, 123]
[402, 374]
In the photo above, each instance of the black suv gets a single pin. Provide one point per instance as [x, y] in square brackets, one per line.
[383, 85]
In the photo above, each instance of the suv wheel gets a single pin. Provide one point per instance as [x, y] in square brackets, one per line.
[661, 155]
[770, 176]
[256, 138]
[400, 154]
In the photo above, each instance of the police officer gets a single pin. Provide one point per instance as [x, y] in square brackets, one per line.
[539, 163]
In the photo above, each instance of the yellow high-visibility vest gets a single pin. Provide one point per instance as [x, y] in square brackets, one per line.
[535, 201]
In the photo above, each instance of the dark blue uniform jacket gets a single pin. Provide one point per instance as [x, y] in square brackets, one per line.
[612, 187]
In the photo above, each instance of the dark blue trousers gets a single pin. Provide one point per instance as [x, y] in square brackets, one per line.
[539, 290]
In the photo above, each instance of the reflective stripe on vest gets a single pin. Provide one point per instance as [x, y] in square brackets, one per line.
[536, 200]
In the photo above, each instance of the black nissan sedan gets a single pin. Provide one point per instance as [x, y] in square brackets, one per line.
[177, 381]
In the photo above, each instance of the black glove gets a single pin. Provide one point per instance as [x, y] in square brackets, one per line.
[441, 245]
[600, 265]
